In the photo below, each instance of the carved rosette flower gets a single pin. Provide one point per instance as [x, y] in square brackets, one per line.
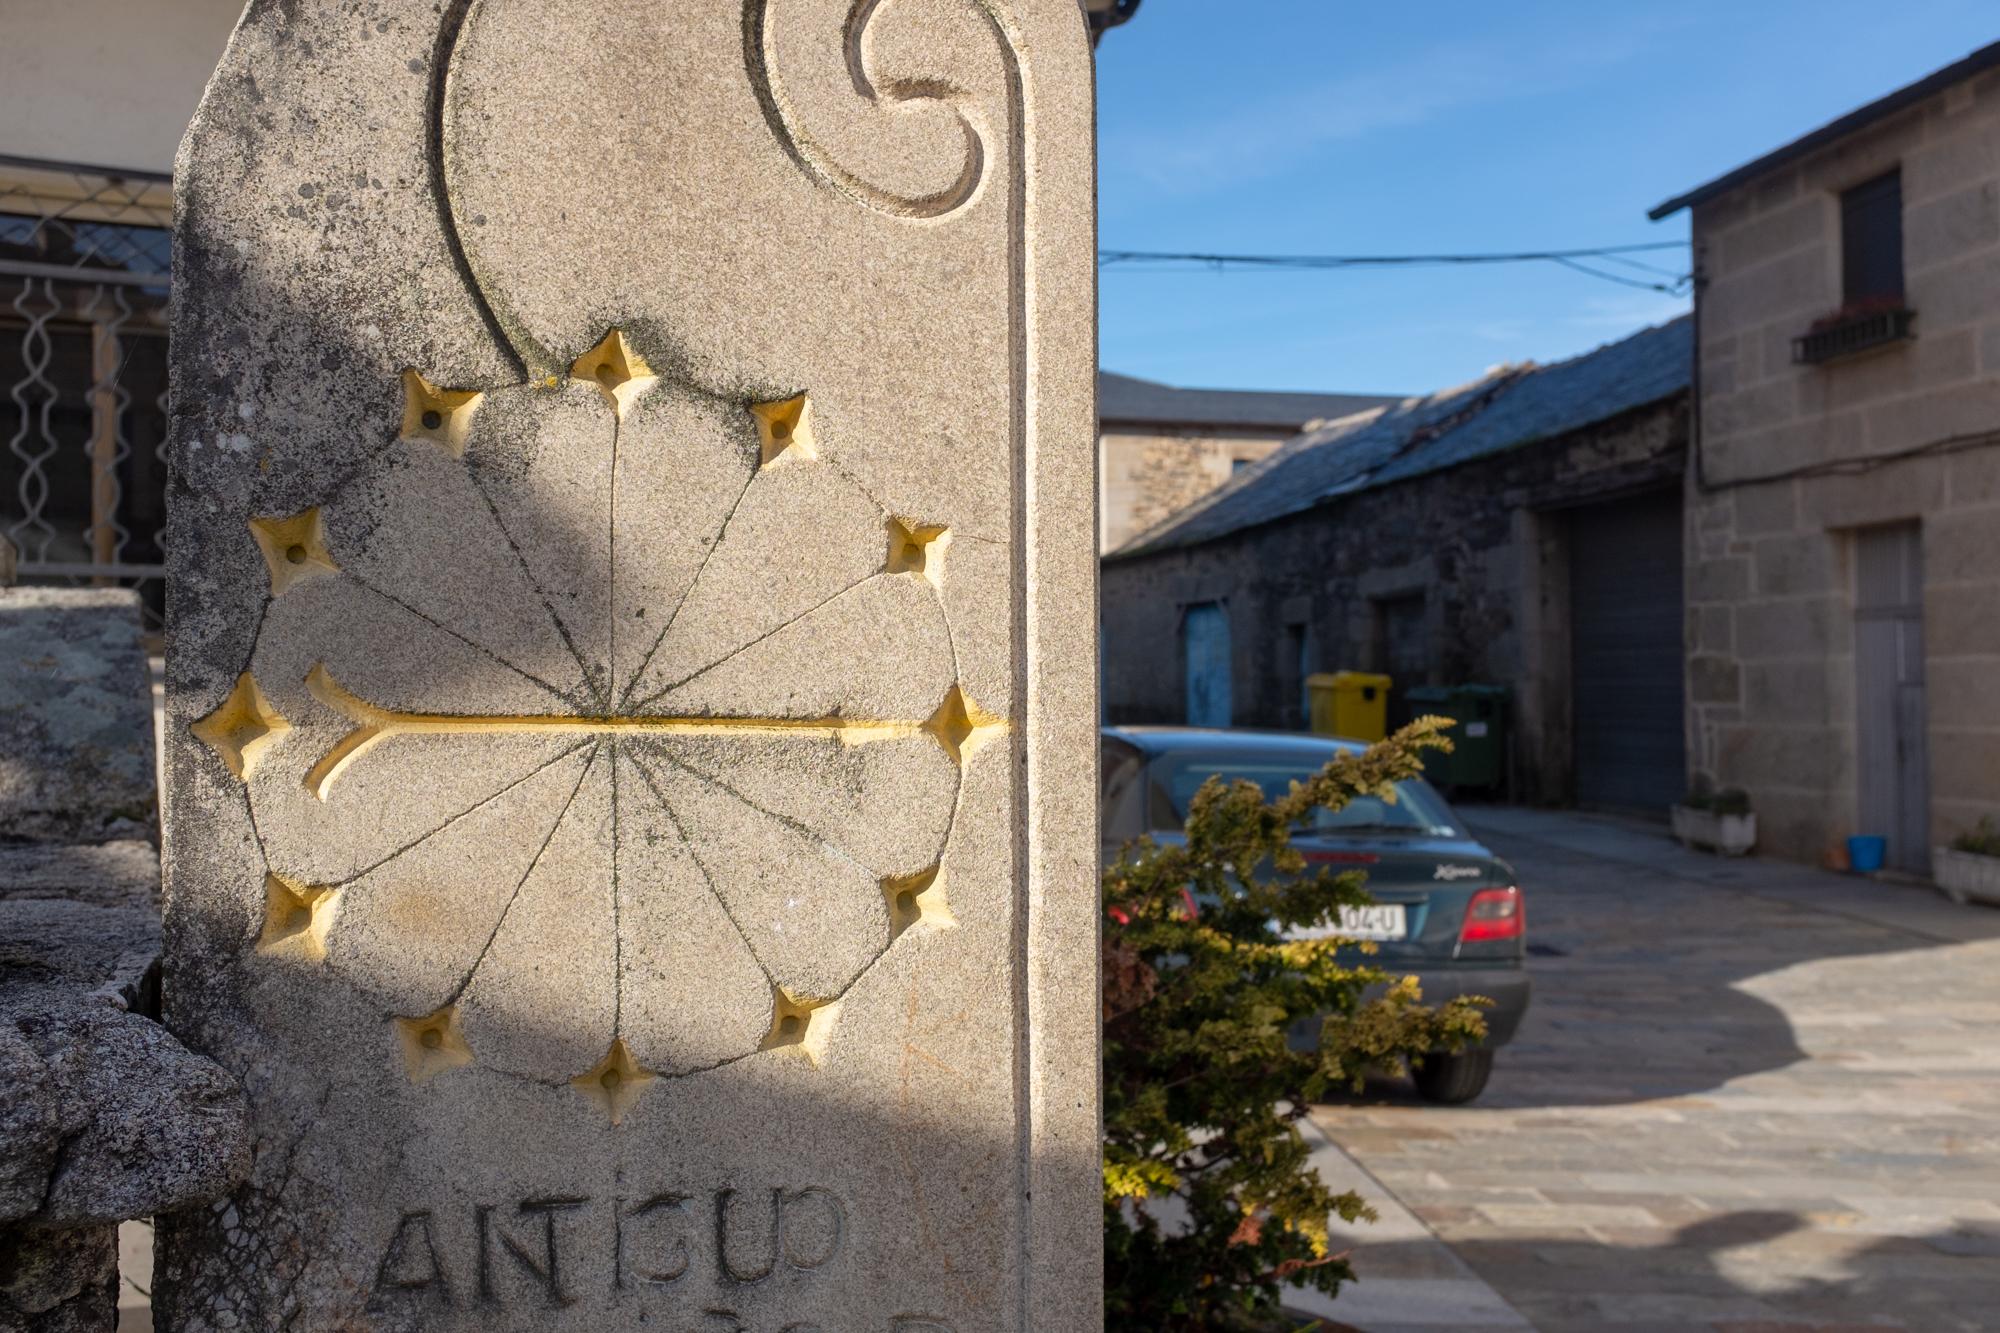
[571, 724]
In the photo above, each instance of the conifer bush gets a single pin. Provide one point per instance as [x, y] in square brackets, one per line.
[1210, 1208]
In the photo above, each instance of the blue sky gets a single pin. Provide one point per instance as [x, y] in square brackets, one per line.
[1329, 126]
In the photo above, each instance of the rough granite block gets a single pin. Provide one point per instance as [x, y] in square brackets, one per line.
[631, 682]
[76, 720]
[103, 1115]
[124, 873]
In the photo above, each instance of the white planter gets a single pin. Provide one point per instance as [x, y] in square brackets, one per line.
[1728, 835]
[1964, 877]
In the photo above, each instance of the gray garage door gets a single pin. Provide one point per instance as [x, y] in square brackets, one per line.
[1625, 632]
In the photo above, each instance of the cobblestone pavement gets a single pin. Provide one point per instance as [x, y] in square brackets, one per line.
[1749, 1098]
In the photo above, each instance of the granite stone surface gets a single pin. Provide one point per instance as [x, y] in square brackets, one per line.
[122, 873]
[76, 723]
[103, 1115]
[631, 678]
[58, 1281]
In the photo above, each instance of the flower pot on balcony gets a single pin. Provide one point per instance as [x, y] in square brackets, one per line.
[1966, 876]
[1708, 831]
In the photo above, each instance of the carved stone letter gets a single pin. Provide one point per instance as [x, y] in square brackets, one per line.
[410, 1261]
[630, 707]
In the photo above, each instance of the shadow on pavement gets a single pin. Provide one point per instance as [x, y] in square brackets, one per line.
[1640, 952]
[1745, 1272]
[1749, 1097]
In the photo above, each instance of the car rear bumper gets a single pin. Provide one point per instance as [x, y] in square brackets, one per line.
[1507, 987]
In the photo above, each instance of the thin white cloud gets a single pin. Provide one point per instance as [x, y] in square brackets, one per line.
[1278, 132]
[1509, 331]
[1281, 131]
[1636, 312]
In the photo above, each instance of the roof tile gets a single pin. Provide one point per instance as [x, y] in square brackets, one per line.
[1508, 407]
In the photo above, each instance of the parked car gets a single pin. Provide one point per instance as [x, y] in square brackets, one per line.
[1446, 908]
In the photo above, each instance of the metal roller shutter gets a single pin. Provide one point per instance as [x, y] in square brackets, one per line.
[1627, 658]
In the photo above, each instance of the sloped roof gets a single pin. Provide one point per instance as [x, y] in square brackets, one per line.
[1127, 399]
[1504, 409]
[1985, 58]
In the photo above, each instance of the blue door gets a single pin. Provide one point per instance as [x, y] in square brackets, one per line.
[1207, 642]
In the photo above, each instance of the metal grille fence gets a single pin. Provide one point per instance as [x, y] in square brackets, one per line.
[84, 260]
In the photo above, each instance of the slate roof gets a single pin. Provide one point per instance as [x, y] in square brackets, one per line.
[1504, 409]
[1127, 400]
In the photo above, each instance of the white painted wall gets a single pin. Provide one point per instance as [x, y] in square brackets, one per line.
[110, 83]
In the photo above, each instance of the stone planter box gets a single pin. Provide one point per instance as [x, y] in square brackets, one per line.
[1965, 877]
[1726, 835]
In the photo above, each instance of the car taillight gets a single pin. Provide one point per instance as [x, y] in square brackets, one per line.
[1187, 899]
[1494, 914]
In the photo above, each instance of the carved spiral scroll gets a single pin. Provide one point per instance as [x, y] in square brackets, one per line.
[812, 157]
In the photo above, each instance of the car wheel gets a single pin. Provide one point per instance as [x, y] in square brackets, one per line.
[1453, 1080]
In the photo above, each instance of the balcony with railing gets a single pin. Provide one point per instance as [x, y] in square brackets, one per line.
[1853, 330]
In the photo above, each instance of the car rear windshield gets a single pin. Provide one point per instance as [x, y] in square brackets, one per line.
[1416, 809]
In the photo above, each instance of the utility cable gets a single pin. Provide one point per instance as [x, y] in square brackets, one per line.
[1674, 284]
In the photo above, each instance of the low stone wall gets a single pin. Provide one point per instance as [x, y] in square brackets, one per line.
[76, 735]
[104, 1116]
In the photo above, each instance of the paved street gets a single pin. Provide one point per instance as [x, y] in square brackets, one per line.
[1750, 1098]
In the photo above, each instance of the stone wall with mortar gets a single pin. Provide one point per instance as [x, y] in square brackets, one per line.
[1146, 475]
[1481, 542]
[1796, 459]
[630, 788]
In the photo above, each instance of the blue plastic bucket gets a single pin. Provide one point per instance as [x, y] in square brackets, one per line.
[1865, 855]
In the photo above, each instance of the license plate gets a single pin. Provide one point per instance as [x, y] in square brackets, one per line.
[1383, 921]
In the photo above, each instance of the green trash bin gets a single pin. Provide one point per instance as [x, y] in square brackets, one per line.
[1479, 742]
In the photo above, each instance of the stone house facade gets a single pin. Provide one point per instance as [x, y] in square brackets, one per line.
[1432, 540]
[1161, 448]
[1844, 500]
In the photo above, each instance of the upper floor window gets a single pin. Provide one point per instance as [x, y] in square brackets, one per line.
[1871, 241]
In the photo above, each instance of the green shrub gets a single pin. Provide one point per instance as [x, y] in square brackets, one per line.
[1210, 1207]
[1728, 801]
[1984, 840]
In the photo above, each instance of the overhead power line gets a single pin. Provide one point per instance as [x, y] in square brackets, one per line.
[1669, 281]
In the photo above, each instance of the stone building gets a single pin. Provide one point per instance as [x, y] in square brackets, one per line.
[1162, 448]
[1521, 530]
[1844, 498]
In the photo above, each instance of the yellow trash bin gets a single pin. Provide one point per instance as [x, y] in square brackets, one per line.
[1354, 704]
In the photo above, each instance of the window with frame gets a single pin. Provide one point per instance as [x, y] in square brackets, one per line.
[1871, 242]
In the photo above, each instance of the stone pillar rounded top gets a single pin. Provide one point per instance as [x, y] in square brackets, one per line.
[631, 713]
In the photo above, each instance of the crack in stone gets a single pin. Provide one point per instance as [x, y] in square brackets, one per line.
[611, 580]
[736, 652]
[596, 748]
[617, 927]
[601, 693]
[481, 648]
[702, 775]
[480, 803]
[646, 775]
[721, 534]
